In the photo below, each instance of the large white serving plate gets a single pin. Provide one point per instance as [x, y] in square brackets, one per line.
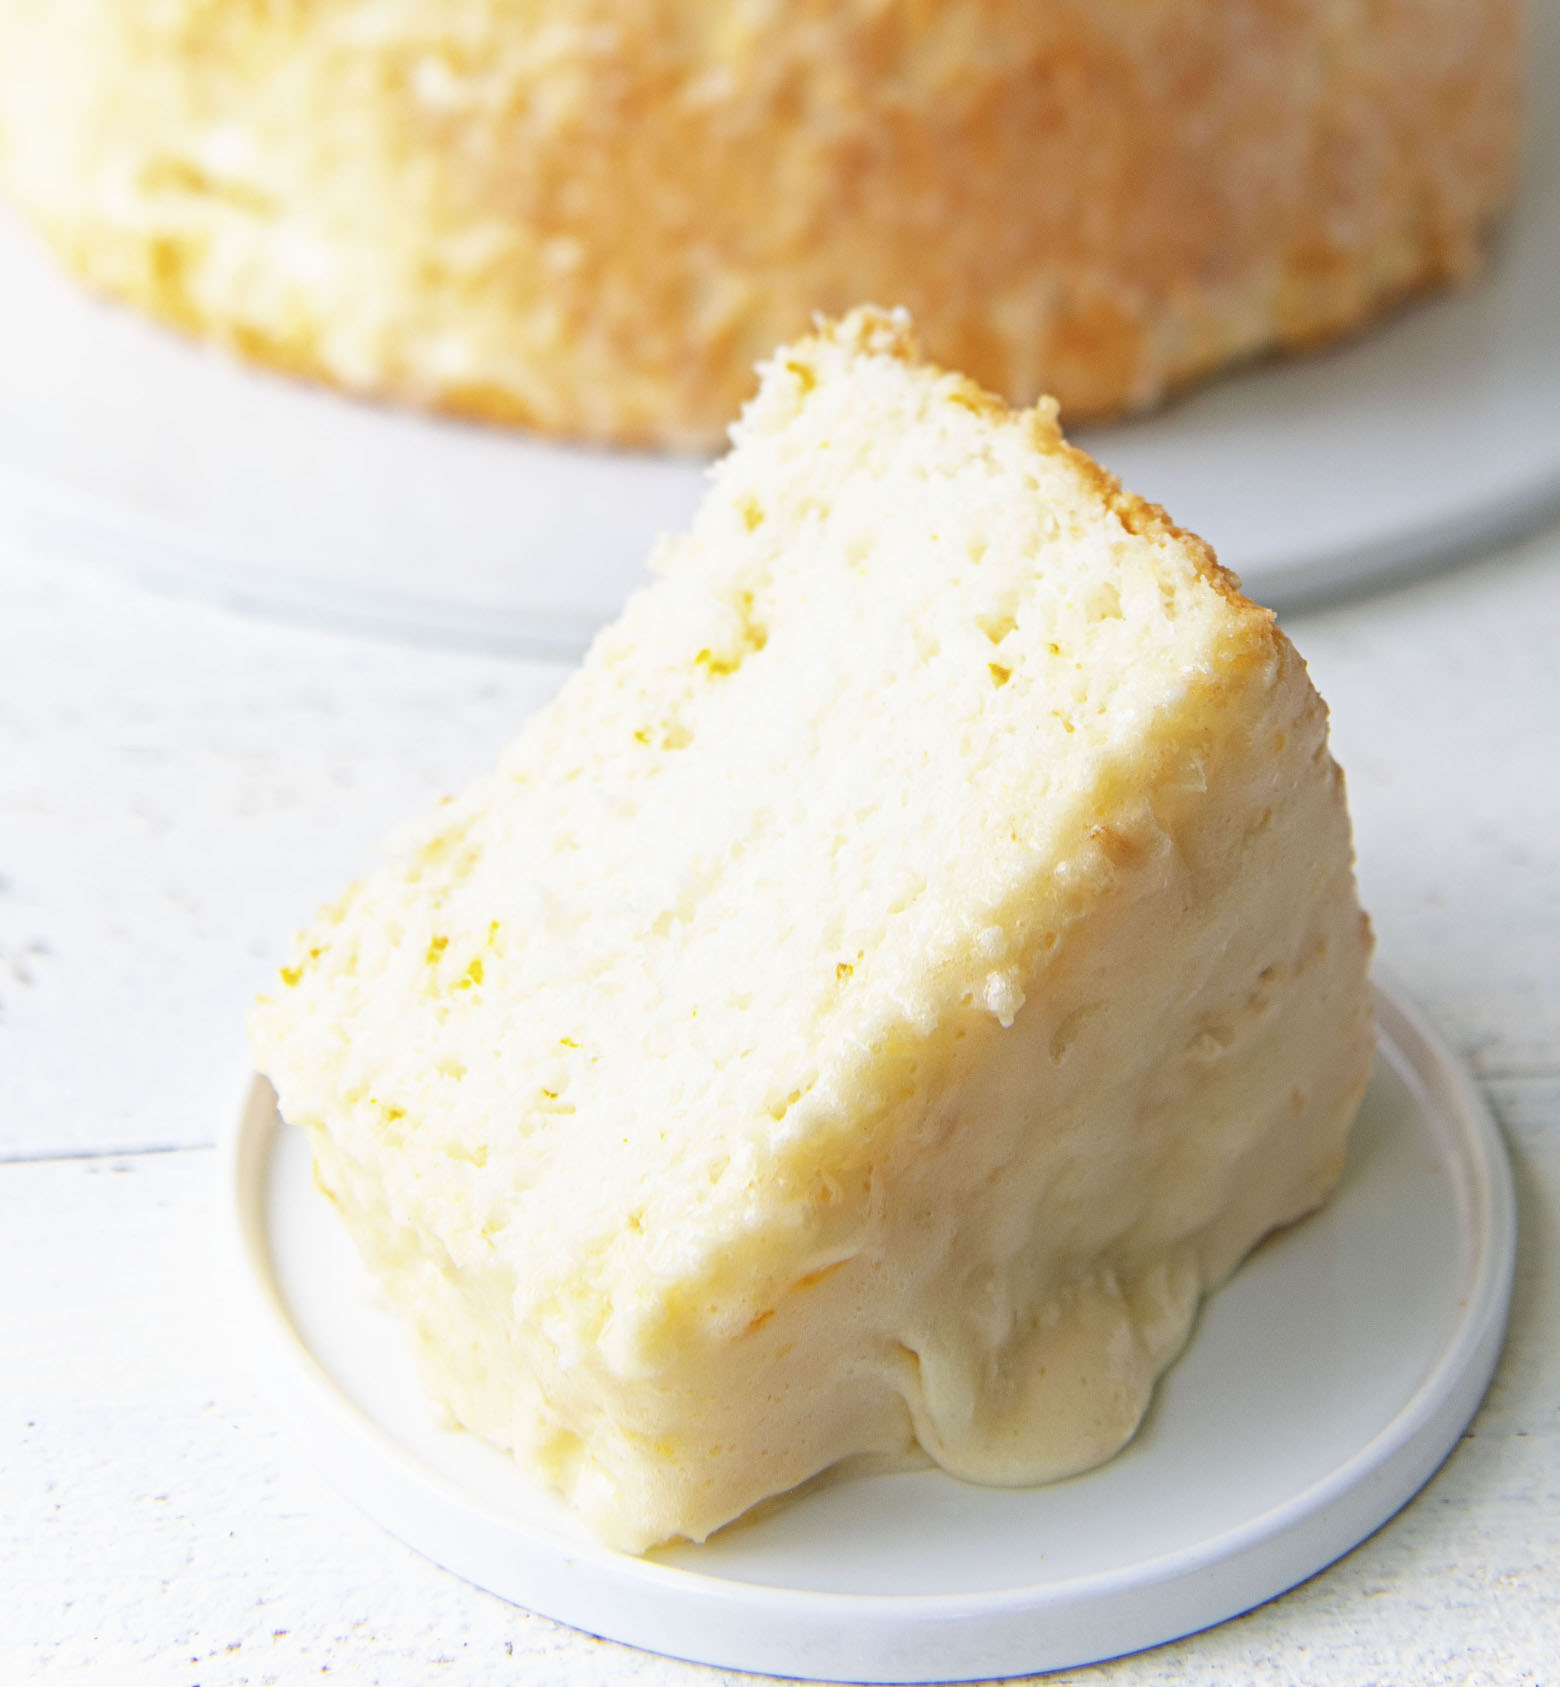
[1322, 1387]
[123, 444]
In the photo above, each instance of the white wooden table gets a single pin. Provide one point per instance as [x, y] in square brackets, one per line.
[179, 787]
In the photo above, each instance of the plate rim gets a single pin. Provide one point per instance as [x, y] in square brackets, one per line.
[1410, 1445]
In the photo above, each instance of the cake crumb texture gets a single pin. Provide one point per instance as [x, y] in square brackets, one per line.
[912, 959]
[591, 217]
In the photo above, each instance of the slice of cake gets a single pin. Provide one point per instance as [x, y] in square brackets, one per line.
[912, 959]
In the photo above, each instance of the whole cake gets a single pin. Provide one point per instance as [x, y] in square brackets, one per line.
[592, 216]
[912, 959]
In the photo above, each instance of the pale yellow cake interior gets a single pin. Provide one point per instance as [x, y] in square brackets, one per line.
[912, 959]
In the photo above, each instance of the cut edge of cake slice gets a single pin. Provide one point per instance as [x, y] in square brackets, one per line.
[912, 960]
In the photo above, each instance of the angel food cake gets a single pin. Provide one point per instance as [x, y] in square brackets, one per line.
[592, 216]
[913, 958]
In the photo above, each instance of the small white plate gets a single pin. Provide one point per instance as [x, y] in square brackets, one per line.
[1323, 1386]
[122, 444]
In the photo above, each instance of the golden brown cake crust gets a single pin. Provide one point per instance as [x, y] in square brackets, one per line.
[593, 216]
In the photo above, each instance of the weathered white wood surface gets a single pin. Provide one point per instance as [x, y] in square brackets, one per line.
[177, 788]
